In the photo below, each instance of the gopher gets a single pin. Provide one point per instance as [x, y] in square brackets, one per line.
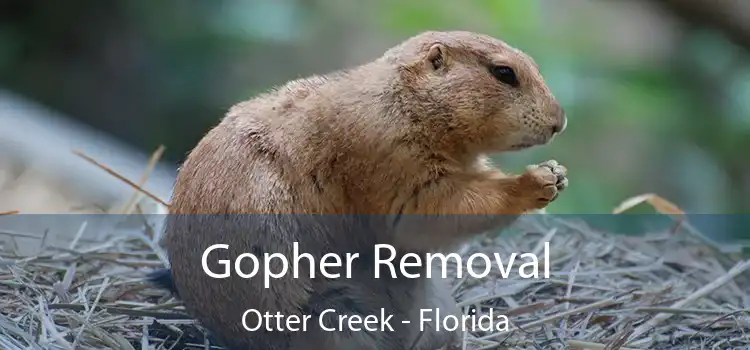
[394, 151]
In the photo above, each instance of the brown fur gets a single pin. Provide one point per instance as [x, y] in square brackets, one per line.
[405, 134]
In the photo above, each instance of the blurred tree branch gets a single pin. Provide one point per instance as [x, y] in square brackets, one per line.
[731, 17]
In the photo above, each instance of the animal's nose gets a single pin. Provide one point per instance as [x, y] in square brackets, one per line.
[560, 127]
[562, 122]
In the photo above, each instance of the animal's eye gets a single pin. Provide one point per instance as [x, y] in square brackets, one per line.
[505, 74]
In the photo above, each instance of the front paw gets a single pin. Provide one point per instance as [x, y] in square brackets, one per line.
[542, 183]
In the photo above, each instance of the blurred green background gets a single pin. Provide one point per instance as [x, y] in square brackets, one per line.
[657, 92]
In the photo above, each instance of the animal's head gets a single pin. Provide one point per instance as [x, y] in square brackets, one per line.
[489, 94]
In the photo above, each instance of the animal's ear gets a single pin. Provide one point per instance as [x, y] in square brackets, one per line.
[436, 57]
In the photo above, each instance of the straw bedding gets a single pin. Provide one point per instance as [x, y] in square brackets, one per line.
[662, 291]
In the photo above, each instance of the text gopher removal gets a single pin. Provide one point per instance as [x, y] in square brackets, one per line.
[477, 265]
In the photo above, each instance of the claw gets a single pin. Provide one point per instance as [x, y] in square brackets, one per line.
[558, 171]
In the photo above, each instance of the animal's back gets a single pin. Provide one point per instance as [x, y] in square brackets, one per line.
[245, 185]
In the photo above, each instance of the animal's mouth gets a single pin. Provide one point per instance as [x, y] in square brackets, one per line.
[521, 146]
[532, 142]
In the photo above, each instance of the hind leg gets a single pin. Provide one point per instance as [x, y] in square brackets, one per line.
[348, 299]
[434, 296]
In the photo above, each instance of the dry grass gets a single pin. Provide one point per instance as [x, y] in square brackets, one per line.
[661, 291]
[666, 290]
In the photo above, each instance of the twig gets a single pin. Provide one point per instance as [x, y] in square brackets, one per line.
[149, 168]
[586, 308]
[700, 293]
[121, 178]
[584, 345]
[124, 311]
